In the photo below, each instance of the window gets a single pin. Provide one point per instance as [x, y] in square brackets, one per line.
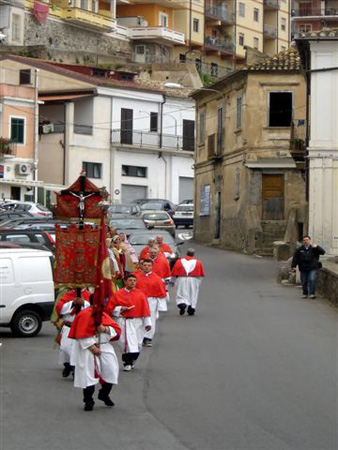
[242, 9]
[95, 6]
[153, 122]
[283, 24]
[280, 109]
[84, 4]
[16, 28]
[304, 28]
[198, 64]
[196, 25]
[214, 34]
[93, 170]
[134, 171]
[99, 73]
[256, 43]
[241, 39]
[214, 70]
[18, 130]
[163, 20]
[140, 49]
[239, 113]
[201, 134]
[219, 130]
[256, 14]
[183, 58]
[25, 76]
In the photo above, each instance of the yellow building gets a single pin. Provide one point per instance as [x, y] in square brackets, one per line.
[249, 184]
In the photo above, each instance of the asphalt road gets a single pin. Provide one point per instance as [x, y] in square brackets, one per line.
[256, 368]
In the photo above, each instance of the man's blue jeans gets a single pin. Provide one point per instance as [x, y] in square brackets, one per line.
[308, 279]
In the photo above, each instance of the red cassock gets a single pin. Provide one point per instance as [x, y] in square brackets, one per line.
[144, 253]
[84, 325]
[69, 297]
[165, 248]
[161, 266]
[152, 285]
[179, 271]
[135, 298]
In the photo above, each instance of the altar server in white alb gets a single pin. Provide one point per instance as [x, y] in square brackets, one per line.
[189, 273]
[94, 356]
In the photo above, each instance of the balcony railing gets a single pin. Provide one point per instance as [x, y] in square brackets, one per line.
[271, 4]
[218, 12]
[270, 32]
[7, 148]
[89, 19]
[156, 33]
[314, 12]
[144, 139]
[221, 45]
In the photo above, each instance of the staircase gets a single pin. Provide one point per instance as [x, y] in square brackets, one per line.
[273, 230]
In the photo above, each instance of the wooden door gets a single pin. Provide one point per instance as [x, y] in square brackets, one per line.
[273, 197]
[188, 135]
[126, 126]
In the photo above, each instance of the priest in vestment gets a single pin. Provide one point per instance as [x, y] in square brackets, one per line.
[189, 273]
[130, 309]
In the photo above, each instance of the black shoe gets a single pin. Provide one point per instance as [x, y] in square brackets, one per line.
[182, 307]
[191, 311]
[105, 399]
[89, 406]
[67, 370]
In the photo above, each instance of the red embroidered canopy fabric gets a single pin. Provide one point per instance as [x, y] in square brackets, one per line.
[76, 256]
[68, 200]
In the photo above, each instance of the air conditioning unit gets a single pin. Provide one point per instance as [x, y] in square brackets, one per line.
[23, 169]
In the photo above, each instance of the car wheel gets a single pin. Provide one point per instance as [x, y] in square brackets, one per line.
[26, 323]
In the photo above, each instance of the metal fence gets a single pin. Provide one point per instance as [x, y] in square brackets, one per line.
[144, 139]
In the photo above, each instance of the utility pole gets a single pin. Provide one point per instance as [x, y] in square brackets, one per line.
[36, 132]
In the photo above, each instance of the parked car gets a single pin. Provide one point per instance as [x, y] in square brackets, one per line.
[159, 220]
[184, 215]
[155, 204]
[31, 222]
[139, 239]
[34, 208]
[28, 236]
[8, 216]
[27, 290]
[127, 223]
[133, 210]
[187, 201]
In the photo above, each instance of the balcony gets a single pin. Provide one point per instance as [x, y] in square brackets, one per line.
[83, 129]
[89, 19]
[272, 5]
[219, 45]
[7, 148]
[298, 142]
[159, 34]
[219, 13]
[270, 32]
[315, 12]
[148, 140]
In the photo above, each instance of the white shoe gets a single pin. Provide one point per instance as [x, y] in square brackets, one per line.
[127, 368]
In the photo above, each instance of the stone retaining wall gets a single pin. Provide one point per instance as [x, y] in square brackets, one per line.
[327, 285]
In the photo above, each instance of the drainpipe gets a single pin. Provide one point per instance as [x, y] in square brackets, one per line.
[190, 17]
[161, 118]
[36, 132]
[160, 155]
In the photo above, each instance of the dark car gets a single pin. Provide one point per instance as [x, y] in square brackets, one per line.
[32, 222]
[139, 240]
[155, 204]
[27, 237]
[127, 223]
[8, 216]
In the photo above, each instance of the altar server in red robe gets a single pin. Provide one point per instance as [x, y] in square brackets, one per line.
[153, 287]
[161, 267]
[164, 248]
[130, 309]
[145, 251]
[189, 273]
[67, 307]
[94, 356]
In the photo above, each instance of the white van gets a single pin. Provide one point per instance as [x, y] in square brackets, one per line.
[26, 290]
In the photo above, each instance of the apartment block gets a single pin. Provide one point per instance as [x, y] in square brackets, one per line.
[313, 15]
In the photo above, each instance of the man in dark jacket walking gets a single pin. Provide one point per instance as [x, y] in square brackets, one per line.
[306, 258]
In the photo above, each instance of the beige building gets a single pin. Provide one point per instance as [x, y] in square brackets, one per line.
[249, 174]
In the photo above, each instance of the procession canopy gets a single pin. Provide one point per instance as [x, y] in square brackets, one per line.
[81, 201]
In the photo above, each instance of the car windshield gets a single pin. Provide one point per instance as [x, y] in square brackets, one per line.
[125, 224]
[151, 205]
[185, 208]
[42, 207]
[142, 239]
[156, 216]
[120, 209]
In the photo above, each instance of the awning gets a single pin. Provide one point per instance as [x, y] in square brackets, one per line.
[60, 97]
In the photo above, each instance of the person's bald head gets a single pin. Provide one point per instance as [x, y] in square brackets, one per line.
[191, 252]
[151, 242]
[159, 239]
[153, 251]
